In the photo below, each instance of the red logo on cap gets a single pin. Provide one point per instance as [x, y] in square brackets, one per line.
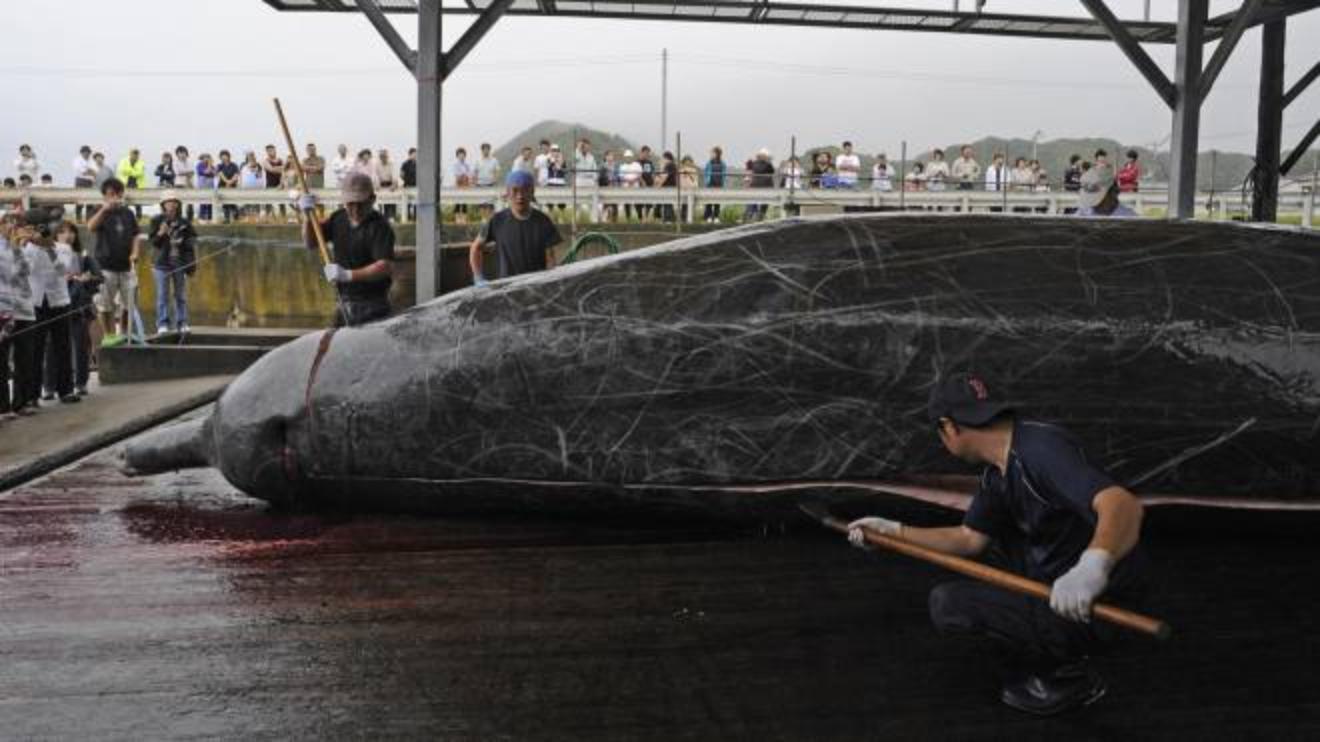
[978, 389]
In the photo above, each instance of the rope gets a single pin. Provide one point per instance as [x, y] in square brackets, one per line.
[75, 310]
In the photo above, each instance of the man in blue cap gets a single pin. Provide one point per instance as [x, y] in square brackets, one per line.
[521, 234]
[1041, 510]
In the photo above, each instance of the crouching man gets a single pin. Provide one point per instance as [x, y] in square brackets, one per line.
[362, 248]
[1043, 511]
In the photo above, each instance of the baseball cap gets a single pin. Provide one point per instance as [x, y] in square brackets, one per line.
[1095, 184]
[628, 153]
[356, 189]
[170, 195]
[519, 179]
[965, 398]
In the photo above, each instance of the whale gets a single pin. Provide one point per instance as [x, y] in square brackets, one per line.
[739, 371]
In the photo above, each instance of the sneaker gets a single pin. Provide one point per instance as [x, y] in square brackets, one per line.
[70, 399]
[82, 391]
[184, 329]
[162, 331]
[25, 412]
[48, 397]
[113, 341]
[1050, 693]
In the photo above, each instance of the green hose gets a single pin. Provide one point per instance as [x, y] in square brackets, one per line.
[591, 238]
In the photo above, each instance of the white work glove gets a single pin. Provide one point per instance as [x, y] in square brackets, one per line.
[1074, 592]
[883, 526]
[480, 281]
[336, 273]
[306, 202]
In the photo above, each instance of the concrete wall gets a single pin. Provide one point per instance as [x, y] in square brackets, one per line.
[262, 276]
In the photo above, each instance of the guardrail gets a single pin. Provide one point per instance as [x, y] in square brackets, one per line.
[591, 203]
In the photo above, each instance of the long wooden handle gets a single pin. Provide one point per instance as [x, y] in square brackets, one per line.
[998, 577]
[302, 181]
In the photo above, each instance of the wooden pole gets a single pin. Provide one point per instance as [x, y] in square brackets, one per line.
[302, 181]
[997, 577]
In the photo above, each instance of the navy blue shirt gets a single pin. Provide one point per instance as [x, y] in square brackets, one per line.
[1042, 504]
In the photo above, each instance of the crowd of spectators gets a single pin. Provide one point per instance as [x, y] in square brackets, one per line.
[52, 291]
[832, 168]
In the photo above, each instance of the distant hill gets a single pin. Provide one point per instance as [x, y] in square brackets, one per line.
[1230, 168]
[563, 134]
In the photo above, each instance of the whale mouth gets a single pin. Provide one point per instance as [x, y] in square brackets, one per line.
[180, 446]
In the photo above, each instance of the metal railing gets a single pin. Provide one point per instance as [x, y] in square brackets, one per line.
[685, 203]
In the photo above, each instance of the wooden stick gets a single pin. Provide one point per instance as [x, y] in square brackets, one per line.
[997, 577]
[302, 181]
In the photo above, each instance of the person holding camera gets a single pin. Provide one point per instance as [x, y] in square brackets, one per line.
[116, 230]
[176, 259]
[50, 303]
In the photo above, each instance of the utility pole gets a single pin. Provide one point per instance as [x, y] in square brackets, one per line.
[664, 99]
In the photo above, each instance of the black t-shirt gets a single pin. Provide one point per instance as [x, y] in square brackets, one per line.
[358, 247]
[671, 175]
[648, 172]
[763, 174]
[114, 239]
[276, 174]
[229, 170]
[165, 174]
[408, 173]
[520, 243]
[1042, 507]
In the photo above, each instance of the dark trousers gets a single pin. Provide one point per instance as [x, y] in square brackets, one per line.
[354, 312]
[80, 345]
[52, 345]
[81, 331]
[712, 212]
[1026, 627]
[16, 353]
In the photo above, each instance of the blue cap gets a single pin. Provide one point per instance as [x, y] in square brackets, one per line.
[519, 179]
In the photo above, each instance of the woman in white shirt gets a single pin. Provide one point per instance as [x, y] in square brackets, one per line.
[17, 317]
[50, 302]
[937, 171]
[882, 176]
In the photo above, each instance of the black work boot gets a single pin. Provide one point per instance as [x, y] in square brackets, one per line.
[1054, 692]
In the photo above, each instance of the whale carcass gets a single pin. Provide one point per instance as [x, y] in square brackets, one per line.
[734, 370]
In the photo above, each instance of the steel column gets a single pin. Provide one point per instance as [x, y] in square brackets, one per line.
[1187, 108]
[429, 86]
[1227, 42]
[1269, 124]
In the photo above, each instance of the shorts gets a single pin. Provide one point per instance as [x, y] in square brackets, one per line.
[117, 291]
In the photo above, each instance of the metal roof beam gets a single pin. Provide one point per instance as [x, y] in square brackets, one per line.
[387, 31]
[474, 33]
[1300, 149]
[1241, 22]
[1273, 10]
[1138, 56]
[1301, 85]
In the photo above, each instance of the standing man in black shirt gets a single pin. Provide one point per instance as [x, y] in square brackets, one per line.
[363, 250]
[115, 227]
[1049, 514]
[521, 234]
[408, 174]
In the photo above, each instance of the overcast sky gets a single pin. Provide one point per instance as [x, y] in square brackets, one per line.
[157, 73]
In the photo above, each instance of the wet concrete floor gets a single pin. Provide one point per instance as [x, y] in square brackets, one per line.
[174, 607]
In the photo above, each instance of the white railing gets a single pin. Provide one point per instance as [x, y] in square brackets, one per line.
[590, 202]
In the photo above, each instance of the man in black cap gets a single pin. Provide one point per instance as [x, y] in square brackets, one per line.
[1041, 510]
[363, 251]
